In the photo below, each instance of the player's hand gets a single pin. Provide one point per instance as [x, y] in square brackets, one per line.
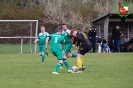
[34, 42]
[73, 45]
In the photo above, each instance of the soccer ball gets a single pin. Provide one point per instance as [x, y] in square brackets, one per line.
[74, 68]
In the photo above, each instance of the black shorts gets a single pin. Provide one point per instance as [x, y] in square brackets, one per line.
[83, 49]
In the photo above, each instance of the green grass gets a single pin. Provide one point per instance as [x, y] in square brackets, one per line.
[113, 70]
[16, 48]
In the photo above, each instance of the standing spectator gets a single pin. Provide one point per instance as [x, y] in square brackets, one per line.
[123, 40]
[92, 37]
[116, 38]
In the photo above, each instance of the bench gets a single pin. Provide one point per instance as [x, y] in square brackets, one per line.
[130, 48]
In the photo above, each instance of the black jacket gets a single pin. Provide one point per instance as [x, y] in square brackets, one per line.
[92, 34]
[115, 34]
[81, 39]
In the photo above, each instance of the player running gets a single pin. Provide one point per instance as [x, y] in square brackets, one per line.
[43, 42]
[56, 40]
[84, 47]
[67, 42]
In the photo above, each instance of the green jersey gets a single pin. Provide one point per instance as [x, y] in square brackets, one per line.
[68, 38]
[56, 40]
[42, 38]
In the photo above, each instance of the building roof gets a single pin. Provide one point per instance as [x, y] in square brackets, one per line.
[111, 15]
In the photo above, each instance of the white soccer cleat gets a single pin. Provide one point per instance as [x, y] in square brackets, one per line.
[55, 73]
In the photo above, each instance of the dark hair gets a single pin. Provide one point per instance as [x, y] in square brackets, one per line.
[58, 29]
[117, 25]
[125, 33]
[64, 24]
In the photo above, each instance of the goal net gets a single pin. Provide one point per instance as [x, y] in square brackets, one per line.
[17, 36]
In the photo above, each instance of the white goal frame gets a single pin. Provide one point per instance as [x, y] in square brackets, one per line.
[22, 37]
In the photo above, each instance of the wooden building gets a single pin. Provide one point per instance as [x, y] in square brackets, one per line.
[105, 23]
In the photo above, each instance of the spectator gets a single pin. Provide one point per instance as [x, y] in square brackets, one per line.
[103, 44]
[123, 40]
[130, 42]
[116, 38]
[99, 41]
[92, 37]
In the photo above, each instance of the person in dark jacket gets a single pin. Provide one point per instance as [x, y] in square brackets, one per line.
[130, 42]
[92, 37]
[116, 38]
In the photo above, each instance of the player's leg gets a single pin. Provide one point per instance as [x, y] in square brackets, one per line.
[65, 61]
[40, 50]
[69, 54]
[67, 49]
[80, 60]
[43, 51]
[57, 67]
[60, 61]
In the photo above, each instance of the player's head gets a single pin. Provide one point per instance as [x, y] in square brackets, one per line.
[64, 27]
[59, 30]
[73, 32]
[42, 28]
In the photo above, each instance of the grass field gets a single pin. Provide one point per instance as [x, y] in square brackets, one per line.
[113, 70]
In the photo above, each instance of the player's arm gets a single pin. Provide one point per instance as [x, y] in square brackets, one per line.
[47, 39]
[77, 40]
[36, 40]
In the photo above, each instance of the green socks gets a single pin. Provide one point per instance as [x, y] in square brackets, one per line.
[62, 65]
[43, 57]
[57, 67]
[67, 64]
[74, 55]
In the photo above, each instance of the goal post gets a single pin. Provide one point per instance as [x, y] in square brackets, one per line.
[19, 29]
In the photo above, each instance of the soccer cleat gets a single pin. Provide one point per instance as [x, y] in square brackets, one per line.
[61, 67]
[55, 73]
[70, 71]
[78, 71]
[83, 67]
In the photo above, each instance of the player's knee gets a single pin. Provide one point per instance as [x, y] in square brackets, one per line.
[64, 59]
[42, 53]
[60, 61]
[69, 55]
[79, 56]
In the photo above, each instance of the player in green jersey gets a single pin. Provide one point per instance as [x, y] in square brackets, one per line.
[43, 41]
[56, 40]
[67, 42]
